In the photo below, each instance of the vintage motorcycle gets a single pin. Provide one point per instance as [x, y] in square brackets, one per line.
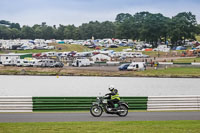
[101, 104]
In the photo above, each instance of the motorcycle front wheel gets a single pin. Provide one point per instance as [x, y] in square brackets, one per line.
[96, 111]
[123, 111]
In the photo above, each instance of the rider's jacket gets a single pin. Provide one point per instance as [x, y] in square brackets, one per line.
[114, 94]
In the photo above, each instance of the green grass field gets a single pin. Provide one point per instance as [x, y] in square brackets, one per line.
[63, 47]
[30, 51]
[198, 38]
[103, 127]
[172, 72]
[192, 72]
[187, 60]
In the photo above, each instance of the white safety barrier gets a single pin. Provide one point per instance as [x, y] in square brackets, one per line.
[196, 64]
[165, 63]
[159, 103]
[16, 104]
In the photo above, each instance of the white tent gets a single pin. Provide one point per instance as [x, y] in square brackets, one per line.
[101, 57]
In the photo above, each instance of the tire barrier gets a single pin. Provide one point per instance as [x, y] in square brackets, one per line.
[16, 104]
[159, 103]
[80, 103]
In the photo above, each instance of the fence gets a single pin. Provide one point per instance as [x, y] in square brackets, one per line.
[62, 103]
[80, 103]
[150, 103]
[158, 103]
[172, 63]
[16, 104]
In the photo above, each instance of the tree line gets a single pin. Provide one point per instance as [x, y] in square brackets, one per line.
[143, 26]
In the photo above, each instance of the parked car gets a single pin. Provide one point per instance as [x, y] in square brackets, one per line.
[51, 63]
[58, 64]
[137, 55]
[145, 56]
[123, 66]
[113, 46]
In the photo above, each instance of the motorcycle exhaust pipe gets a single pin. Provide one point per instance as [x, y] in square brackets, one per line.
[120, 110]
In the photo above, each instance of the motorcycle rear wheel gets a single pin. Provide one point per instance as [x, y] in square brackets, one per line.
[123, 113]
[96, 111]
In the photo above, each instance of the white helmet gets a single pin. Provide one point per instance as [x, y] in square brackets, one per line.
[111, 87]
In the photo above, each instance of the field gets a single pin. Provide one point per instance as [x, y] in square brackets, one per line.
[62, 47]
[171, 72]
[187, 60]
[107, 127]
[80, 48]
[187, 72]
[198, 38]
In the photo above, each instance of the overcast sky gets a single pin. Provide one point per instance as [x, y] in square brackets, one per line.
[30, 12]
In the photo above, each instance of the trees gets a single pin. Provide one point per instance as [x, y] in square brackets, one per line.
[70, 32]
[106, 30]
[27, 32]
[4, 32]
[91, 29]
[125, 30]
[14, 33]
[4, 22]
[15, 25]
[143, 26]
[48, 32]
[59, 32]
[183, 26]
[122, 17]
[155, 28]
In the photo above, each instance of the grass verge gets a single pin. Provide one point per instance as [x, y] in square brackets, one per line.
[187, 60]
[174, 72]
[107, 127]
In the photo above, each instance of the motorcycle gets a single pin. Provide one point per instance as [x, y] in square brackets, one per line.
[101, 104]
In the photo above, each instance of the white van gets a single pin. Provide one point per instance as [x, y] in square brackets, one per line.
[137, 66]
[82, 62]
[24, 63]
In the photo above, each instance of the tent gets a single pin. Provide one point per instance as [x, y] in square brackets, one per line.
[180, 48]
[100, 57]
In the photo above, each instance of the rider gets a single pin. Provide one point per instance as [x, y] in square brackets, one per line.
[113, 96]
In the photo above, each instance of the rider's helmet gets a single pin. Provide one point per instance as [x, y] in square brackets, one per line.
[111, 87]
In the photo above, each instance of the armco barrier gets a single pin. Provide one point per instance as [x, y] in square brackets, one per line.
[80, 103]
[151, 103]
[172, 63]
[136, 103]
[16, 104]
[159, 103]
[62, 103]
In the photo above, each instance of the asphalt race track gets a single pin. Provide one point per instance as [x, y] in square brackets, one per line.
[67, 117]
